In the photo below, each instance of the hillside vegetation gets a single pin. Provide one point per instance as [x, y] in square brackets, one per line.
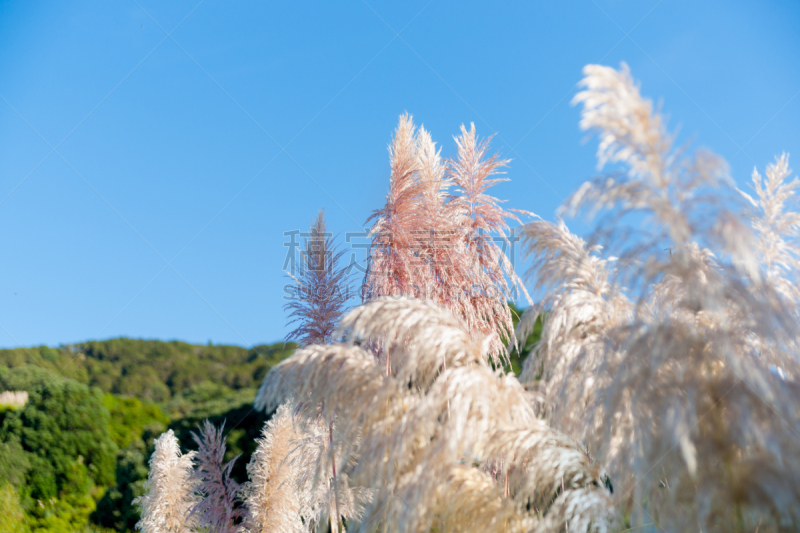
[75, 455]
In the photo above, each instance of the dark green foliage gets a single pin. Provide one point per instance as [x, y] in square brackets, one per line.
[14, 462]
[243, 426]
[517, 357]
[133, 424]
[63, 425]
[207, 399]
[55, 452]
[115, 509]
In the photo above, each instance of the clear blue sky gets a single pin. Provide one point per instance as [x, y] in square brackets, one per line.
[151, 157]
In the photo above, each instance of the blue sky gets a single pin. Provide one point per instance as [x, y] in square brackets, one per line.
[152, 156]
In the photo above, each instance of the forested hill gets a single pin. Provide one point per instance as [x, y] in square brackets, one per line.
[152, 370]
[75, 455]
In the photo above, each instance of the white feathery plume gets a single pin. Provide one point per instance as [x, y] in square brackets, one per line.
[404, 445]
[273, 496]
[582, 303]
[552, 476]
[680, 197]
[169, 497]
[339, 389]
[777, 227]
[324, 468]
[457, 422]
[629, 130]
[776, 222]
[468, 499]
[326, 374]
[415, 339]
[675, 398]
[331, 380]
[679, 400]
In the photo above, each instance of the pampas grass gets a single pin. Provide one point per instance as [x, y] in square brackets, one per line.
[408, 438]
[321, 288]
[491, 281]
[169, 490]
[219, 508]
[662, 391]
[431, 244]
[663, 363]
[777, 226]
[274, 496]
[392, 262]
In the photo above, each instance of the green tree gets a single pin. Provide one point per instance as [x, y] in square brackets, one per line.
[115, 509]
[133, 424]
[12, 517]
[14, 462]
[61, 452]
[130, 416]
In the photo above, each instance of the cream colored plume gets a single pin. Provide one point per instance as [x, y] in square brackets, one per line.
[273, 496]
[339, 389]
[417, 454]
[777, 226]
[415, 339]
[682, 382]
[169, 497]
[678, 198]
